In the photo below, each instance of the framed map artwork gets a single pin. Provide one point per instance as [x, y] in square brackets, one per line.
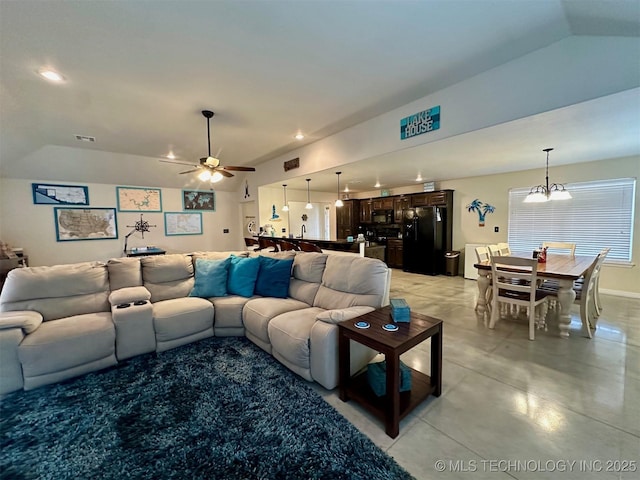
[204, 200]
[85, 224]
[182, 223]
[48, 194]
[139, 199]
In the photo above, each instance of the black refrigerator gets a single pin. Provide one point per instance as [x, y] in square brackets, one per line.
[424, 240]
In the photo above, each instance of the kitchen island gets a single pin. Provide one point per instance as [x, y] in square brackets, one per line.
[373, 250]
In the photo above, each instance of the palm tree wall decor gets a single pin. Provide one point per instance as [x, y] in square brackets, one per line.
[482, 209]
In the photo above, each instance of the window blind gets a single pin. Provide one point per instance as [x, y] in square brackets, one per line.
[599, 215]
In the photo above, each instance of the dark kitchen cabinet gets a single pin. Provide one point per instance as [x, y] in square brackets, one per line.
[366, 209]
[394, 253]
[383, 203]
[399, 204]
[347, 219]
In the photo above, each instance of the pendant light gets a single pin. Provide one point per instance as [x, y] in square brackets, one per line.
[339, 203]
[285, 207]
[546, 192]
[308, 206]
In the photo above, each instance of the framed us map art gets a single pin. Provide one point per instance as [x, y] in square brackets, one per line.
[85, 224]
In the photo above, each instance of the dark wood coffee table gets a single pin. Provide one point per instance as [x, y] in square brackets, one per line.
[395, 405]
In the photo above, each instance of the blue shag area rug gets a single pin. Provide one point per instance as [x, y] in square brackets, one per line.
[220, 408]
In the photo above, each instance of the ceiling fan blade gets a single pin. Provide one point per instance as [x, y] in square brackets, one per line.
[240, 169]
[177, 162]
[190, 171]
[224, 172]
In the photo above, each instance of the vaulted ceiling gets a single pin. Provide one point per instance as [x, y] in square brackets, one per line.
[138, 73]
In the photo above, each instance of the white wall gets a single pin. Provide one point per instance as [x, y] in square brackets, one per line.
[32, 227]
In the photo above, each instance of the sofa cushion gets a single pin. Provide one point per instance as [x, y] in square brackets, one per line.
[167, 276]
[350, 281]
[340, 315]
[62, 344]
[124, 272]
[287, 254]
[211, 278]
[309, 266]
[289, 335]
[228, 312]
[58, 291]
[180, 317]
[243, 273]
[258, 312]
[273, 277]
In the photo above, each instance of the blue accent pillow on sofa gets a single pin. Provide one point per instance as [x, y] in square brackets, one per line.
[211, 278]
[243, 273]
[273, 277]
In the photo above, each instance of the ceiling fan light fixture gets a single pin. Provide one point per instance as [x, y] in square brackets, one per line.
[205, 176]
[216, 177]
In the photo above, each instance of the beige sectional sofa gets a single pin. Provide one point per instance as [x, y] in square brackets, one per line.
[63, 321]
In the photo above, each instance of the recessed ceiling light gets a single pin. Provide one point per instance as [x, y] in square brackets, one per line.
[419, 178]
[377, 185]
[346, 188]
[171, 156]
[299, 136]
[51, 75]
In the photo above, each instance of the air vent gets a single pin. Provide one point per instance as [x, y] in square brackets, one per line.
[85, 138]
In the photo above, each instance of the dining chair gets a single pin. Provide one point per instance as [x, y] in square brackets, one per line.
[251, 243]
[286, 245]
[309, 247]
[265, 243]
[514, 282]
[483, 255]
[504, 249]
[565, 247]
[586, 293]
[494, 250]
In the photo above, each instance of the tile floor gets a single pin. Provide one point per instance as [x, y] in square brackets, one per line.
[514, 408]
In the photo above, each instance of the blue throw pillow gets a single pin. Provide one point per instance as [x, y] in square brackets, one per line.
[211, 278]
[242, 275]
[274, 276]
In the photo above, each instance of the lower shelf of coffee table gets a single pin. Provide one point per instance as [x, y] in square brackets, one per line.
[360, 391]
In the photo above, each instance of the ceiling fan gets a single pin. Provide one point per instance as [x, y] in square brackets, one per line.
[210, 167]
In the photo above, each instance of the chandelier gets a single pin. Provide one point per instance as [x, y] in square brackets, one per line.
[544, 193]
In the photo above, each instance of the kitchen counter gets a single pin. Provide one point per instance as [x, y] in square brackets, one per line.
[373, 251]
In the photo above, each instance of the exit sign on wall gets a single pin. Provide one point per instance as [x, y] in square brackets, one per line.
[419, 123]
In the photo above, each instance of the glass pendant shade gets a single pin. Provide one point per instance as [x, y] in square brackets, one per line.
[339, 202]
[285, 207]
[308, 206]
[205, 176]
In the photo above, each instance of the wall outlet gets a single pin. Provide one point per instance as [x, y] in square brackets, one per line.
[496, 229]
[226, 230]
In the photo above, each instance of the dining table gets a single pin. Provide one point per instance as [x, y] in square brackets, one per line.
[565, 269]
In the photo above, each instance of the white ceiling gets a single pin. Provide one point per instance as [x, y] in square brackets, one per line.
[139, 73]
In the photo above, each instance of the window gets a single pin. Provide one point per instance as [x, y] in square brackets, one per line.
[599, 215]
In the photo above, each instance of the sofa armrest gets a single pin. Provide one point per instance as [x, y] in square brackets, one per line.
[340, 314]
[129, 295]
[27, 320]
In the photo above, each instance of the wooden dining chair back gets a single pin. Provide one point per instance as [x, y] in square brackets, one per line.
[515, 282]
[494, 250]
[482, 254]
[309, 247]
[286, 245]
[586, 291]
[560, 247]
[504, 249]
[251, 243]
[267, 243]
